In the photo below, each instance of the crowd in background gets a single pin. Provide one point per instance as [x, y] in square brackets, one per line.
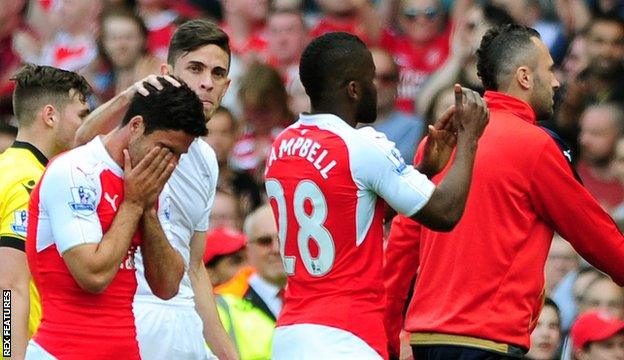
[420, 49]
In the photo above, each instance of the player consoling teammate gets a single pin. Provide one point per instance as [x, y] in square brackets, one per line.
[91, 210]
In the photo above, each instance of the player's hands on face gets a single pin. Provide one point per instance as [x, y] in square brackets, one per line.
[143, 183]
[439, 145]
[139, 86]
[471, 112]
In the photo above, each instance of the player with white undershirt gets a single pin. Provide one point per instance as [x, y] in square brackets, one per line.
[327, 183]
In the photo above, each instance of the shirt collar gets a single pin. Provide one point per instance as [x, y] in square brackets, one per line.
[30, 147]
[265, 289]
[498, 101]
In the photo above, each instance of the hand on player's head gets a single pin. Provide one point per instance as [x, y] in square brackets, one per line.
[153, 80]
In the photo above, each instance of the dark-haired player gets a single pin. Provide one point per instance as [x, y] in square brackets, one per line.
[91, 210]
[480, 287]
[327, 183]
[50, 105]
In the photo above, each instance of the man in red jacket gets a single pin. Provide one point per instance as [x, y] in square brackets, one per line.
[480, 287]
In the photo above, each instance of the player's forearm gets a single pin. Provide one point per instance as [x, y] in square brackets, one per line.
[94, 266]
[103, 119]
[214, 333]
[164, 266]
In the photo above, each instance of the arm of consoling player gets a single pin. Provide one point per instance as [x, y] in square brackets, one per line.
[164, 266]
[569, 208]
[214, 334]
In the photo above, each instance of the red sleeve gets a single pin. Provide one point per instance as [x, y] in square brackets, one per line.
[401, 264]
[400, 267]
[569, 208]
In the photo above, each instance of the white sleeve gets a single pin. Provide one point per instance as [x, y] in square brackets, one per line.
[378, 166]
[70, 198]
[211, 177]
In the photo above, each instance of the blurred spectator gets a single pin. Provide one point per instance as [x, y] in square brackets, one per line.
[404, 129]
[244, 22]
[225, 211]
[67, 41]
[225, 254]
[440, 102]
[298, 100]
[222, 133]
[287, 36]
[161, 24]
[123, 57]
[575, 60]
[529, 13]
[561, 260]
[602, 81]
[251, 301]
[461, 66]
[546, 337]
[7, 136]
[421, 48]
[617, 166]
[598, 336]
[357, 17]
[265, 110]
[10, 21]
[604, 295]
[601, 125]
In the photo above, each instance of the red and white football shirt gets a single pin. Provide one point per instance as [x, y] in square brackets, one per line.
[324, 179]
[75, 203]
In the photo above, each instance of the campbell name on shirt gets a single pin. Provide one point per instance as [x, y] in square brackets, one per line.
[305, 148]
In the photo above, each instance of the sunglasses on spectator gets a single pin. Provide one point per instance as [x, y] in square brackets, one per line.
[266, 240]
[429, 12]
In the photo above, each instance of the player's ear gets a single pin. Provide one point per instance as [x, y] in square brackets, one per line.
[166, 69]
[136, 126]
[49, 115]
[353, 90]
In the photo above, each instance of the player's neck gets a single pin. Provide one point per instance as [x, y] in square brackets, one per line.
[345, 114]
[115, 143]
[45, 144]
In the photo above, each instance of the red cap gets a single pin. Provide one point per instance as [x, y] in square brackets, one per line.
[223, 241]
[594, 326]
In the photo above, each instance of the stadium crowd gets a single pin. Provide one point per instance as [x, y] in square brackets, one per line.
[420, 49]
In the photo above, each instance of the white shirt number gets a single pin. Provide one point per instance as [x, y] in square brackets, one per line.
[310, 227]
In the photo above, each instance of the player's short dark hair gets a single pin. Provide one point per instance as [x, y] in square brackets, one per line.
[329, 62]
[501, 51]
[38, 85]
[194, 34]
[172, 108]
[7, 129]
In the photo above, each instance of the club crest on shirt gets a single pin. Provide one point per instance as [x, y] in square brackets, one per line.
[84, 199]
[397, 161]
[20, 222]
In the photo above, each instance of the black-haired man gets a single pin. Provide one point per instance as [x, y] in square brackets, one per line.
[325, 180]
[480, 287]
